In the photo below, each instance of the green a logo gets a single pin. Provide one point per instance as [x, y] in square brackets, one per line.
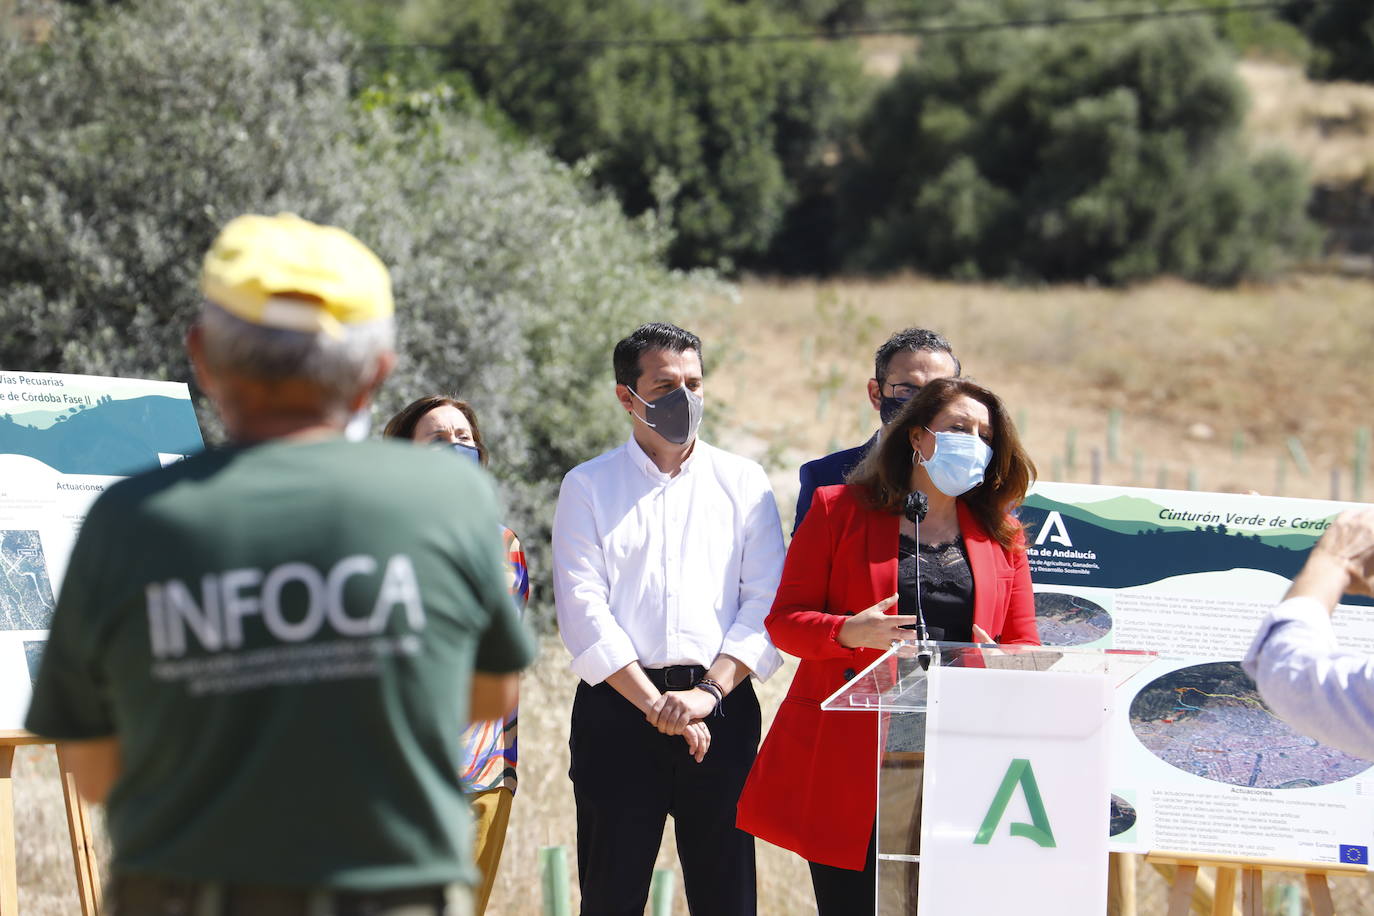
[1039, 830]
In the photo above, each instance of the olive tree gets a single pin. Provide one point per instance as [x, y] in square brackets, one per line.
[133, 133]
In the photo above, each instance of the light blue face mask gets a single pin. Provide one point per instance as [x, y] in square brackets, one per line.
[958, 464]
[463, 451]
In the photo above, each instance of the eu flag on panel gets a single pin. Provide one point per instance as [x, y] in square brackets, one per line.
[1354, 855]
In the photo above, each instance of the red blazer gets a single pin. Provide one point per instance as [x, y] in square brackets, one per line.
[813, 788]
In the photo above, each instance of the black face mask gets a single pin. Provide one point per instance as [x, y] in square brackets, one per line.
[888, 408]
[675, 416]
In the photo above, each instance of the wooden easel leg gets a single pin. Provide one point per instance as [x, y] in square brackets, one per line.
[1252, 892]
[83, 846]
[1320, 894]
[1200, 881]
[9, 874]
[1224, 901]
[1121, 880]
[1181, 895]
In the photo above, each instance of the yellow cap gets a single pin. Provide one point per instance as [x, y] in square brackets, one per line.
[286, 272]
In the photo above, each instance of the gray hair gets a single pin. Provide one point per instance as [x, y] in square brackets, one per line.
[339, 366]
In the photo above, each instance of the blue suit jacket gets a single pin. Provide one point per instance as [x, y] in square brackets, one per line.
[825, 472]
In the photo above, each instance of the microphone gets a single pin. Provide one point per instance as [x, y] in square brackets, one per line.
[917, 505]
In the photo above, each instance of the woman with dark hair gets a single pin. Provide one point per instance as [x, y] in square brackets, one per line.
[489, 748]
[849, 590]
[438, 420]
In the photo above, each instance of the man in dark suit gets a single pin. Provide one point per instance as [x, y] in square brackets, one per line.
[908, 360]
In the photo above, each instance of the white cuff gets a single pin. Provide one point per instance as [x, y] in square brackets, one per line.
[754, 650]
[604, 658]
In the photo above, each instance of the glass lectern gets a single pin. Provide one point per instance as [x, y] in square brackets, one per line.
[904, 687]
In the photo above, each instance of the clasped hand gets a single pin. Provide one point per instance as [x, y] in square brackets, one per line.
[679, 712]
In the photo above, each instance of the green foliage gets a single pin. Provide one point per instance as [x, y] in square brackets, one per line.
[1254, 31]
[842, 14]
[132, 135]
[1342, 36]
[1070, 154]
[725, 138]
[1259, 33]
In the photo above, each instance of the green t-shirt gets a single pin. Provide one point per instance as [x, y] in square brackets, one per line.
[283, 639]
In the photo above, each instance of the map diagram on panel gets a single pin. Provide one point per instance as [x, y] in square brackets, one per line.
[1068, 620]
[1209, 720]
[26, 601]
[33, 655]
[1123, 816]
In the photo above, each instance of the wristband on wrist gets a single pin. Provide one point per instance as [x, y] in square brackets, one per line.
[714, 689]
[720, 688]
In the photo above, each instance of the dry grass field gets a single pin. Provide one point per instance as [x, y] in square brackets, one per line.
[1328, 125]
[1190, 369]
[1211, 385]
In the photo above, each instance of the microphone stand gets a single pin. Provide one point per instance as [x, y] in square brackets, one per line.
[917, 505]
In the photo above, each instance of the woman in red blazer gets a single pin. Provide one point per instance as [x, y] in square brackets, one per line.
[848, 590]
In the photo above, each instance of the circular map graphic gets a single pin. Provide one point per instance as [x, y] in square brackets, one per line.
[1067, 620]
[1209, 720]
[1123, 816]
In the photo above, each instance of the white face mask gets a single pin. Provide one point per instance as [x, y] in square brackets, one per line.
[958, 464]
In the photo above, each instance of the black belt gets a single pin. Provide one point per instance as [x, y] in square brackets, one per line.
[147, 895]
[676, 677]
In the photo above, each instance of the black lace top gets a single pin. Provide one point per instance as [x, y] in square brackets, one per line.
[946, 587]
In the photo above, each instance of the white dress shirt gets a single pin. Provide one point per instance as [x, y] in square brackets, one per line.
[666, 570]
[1313, 684]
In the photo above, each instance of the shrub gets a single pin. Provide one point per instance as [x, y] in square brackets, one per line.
[132, 135]
[721, 134]
[1342, 36]
[1070, 154]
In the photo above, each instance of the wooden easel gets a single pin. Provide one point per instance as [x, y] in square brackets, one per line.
[1249, 873]
[78, 827]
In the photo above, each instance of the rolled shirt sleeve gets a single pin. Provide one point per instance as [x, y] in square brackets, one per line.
[666, 569]
[1322, 690]
[747, 640]
[581, 584]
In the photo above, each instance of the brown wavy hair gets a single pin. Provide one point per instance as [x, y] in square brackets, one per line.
[402, 426]
[884, 476]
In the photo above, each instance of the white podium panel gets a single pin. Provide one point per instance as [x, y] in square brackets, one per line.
[992, 773]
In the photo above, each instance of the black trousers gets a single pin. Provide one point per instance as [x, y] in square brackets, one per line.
[844, 891]
[627, 778]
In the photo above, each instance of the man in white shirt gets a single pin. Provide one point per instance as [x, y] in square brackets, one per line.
[1319, 688]
[666, 554]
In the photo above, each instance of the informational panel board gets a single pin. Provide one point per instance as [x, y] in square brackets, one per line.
[63, 440]
[1200, 764]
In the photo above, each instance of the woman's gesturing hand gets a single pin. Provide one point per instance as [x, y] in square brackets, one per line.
[874, 628]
